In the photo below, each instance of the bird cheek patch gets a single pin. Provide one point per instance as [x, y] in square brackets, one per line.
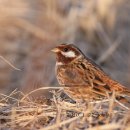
[70, 54]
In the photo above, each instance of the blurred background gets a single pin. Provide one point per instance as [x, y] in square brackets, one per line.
[29, 29]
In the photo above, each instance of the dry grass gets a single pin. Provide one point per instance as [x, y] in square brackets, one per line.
[56, 113]
[29, 29]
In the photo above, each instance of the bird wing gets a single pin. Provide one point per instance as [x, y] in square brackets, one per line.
[100, 81]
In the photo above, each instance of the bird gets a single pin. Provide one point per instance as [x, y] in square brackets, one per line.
[82, 78]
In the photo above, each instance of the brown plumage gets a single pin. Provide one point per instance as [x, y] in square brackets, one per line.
[82, 78]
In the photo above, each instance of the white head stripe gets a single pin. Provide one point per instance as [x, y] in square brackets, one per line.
[69, 54]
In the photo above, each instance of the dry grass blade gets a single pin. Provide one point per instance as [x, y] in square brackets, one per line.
[62, 123]
[42, 88]
[59, 114]
[109, 51]
[122, 105]
[9, 63]
[10, 96]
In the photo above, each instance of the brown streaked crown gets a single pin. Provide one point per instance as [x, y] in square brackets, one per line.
[66, 53]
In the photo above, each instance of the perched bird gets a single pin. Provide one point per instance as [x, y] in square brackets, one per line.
[82, 78]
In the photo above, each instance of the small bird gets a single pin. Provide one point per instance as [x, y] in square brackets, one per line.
[82, 78]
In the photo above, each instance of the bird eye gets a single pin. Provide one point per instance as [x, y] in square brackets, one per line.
[65, 49]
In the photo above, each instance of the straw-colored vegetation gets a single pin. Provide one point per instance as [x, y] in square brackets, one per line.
[28, 30]
[56, 113]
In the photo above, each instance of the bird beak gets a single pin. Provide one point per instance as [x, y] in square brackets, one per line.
[55, 50]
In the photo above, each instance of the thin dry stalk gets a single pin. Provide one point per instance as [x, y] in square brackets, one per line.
[6, 61]
[57, 114]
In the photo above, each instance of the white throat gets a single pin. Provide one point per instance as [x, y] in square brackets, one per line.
[70, 54]
[59, 63]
